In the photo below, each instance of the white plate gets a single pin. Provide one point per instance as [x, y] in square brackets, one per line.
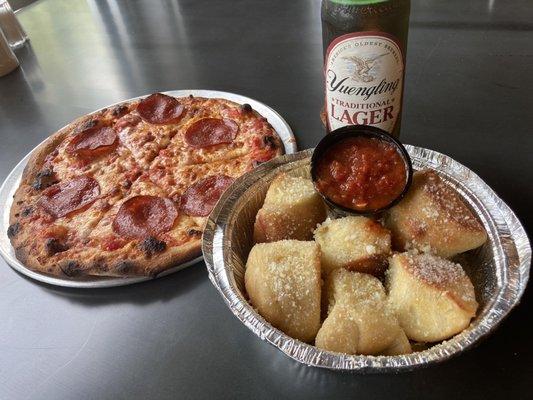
[12, 181]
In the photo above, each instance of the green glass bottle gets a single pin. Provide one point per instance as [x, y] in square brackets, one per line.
[365, 44]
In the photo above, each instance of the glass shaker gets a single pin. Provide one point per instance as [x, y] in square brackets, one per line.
[13, 31]
[8, 61]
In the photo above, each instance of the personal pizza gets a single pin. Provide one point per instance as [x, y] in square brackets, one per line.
[126, 191]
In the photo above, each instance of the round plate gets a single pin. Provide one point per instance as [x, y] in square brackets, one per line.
[12, 182]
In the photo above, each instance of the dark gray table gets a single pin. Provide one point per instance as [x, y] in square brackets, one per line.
[468, 94]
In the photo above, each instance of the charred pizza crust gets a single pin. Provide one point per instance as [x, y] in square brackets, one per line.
[89, 262]
[73, 243]
[94, 263]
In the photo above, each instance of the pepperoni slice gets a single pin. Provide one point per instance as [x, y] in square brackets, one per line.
[143, 216]
[93, 141]
[200, 198]
[210, 131]
[264, 148]
[160, 109]
[64, 198]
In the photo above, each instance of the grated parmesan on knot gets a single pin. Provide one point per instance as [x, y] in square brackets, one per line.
[435, 270]
[286, 189]
[450, 207]
[283, 281]
[351, 242]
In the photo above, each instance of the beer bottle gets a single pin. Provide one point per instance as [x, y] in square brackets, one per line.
[364, 62]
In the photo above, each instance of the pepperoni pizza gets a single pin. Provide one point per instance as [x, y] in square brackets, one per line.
[126, 191]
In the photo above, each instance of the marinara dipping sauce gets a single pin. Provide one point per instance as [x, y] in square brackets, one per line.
[361, 169]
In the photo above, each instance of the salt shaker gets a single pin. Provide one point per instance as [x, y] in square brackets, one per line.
[8, 61]
[13, 31]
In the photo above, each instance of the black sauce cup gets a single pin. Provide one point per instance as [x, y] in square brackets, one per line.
[338, 135]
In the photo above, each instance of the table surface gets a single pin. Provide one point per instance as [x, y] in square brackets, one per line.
[468, 94]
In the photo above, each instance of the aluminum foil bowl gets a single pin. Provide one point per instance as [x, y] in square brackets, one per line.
[499, 270]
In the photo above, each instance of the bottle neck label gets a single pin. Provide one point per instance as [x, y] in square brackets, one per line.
[364, 80]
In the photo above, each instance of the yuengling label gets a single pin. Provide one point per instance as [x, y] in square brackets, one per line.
[364, 80]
